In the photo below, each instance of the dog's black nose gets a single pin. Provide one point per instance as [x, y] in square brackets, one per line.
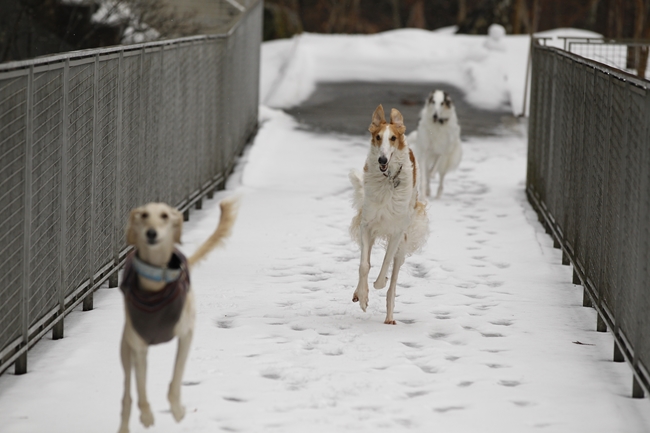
[151, 235]
[435, 117]
[383, 160]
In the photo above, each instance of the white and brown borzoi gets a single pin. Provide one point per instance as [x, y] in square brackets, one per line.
[158, 299]
[385, 197]
[437, 140]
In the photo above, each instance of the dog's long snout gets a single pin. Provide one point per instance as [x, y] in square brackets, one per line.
[151, 236]
[383, 160]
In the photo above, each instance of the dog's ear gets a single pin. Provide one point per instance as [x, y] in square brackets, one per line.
[177, 224]
[377, 119]
[397, 120]
[447, 100]
[131, 236]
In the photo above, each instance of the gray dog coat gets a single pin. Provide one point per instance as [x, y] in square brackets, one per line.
[155, 314]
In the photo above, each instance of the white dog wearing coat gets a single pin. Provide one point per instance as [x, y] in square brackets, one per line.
[158, 299]
[437, 141]
[385, 197]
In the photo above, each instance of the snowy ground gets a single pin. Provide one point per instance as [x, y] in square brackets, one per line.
[491, 334]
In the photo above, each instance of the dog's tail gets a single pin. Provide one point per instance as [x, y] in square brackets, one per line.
[229, 208]
[356, 178]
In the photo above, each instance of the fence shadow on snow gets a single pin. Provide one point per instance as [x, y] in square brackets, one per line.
[88, 135]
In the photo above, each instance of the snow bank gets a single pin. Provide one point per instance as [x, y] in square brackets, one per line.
[492, 73]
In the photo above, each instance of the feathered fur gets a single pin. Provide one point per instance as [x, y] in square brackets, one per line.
[226, 221]
[436, 142]
[385, 197]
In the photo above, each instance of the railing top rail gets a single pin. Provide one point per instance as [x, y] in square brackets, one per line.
[604, 40]
[613, 72]
[81, 54]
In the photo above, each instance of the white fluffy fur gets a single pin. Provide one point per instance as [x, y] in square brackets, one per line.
[387, 213]
[436, 145]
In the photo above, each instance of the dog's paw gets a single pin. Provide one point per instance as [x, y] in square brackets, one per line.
[390, 322]
[178, 410]
[146, 417]
[355, 298]
[123, 429]
[380, 283]
[363, 303]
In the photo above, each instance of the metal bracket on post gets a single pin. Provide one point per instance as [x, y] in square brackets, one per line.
[637, 390]
[565, 258]
[576, 278]
[20, 366]
[618, 354]
[586, 302]
[88, 301]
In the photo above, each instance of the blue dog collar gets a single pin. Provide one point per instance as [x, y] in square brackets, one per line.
[155, 273]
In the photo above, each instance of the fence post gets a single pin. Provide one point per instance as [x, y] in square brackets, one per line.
[113, 279]
[88, 299]
[20, 366]
[57, 331]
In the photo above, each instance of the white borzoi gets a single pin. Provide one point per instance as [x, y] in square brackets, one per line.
[385, 197]
[437, 140]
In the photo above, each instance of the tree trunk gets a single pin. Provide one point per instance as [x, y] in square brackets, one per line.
[397, 19]
[462, 11]
[516, 17]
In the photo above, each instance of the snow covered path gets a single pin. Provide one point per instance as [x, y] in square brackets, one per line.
[488, 321]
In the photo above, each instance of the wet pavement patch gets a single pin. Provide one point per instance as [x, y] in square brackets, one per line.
[347, 108]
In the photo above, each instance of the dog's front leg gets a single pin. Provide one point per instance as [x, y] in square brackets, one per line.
[390, 295]
[393, 243]
[174, 395]
[126, 357]
[146, 417]
[433, 168]
[361, 293]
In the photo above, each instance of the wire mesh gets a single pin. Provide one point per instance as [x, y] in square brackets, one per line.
[13, 121]
[588, 178]
[87, 136]
[45, 214]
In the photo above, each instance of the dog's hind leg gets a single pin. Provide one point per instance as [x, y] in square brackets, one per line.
[393, 243]
[361, 293]
[390, 295]
[174, 395]
[126, 357]
[440, 185]
[146, 417]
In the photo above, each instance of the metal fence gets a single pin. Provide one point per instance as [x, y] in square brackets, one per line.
[626, 55]
[589, 179]
[85, 137]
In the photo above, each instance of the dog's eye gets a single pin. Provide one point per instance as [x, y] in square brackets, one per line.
[393, 138]
[378, 138]
[144, 215]
[164, 216]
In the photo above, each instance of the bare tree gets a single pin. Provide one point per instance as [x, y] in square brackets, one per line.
[462, 11]
[397, 19]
